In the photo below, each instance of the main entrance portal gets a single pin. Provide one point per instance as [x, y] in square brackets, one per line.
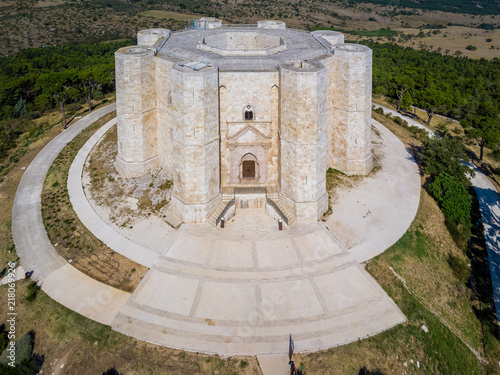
[249, 169]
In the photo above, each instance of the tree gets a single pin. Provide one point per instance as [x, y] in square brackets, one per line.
[401, 86]
[445, 155]
[430, 100]
[91, 80]
[60, 86]
[483, 125]
[452, 197]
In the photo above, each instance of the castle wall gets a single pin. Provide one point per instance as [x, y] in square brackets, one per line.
[307, 115]
[351, 102]
[303, 140]
[164, 114]
[135, 107]
[259, 90]
[195, 135]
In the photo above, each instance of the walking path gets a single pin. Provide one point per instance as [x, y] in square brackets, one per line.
[240, 290]
[489, 202]
[57, 278]
[411, 122]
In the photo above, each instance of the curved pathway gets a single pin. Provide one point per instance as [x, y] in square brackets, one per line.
[58, 279]
[241, 290]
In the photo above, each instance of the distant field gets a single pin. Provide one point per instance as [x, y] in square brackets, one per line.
[166, 15]
[379, 32]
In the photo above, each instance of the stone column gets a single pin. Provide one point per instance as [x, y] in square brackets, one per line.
[195, 121]
[135, 108]
[303, 139]
[351, 85]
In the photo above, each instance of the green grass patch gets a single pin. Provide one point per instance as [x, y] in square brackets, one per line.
[163, 14]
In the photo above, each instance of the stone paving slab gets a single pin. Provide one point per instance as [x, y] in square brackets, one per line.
[82, 294]
[274, 364]
[370, 217]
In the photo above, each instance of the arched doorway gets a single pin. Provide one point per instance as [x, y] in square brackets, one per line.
[249, 168]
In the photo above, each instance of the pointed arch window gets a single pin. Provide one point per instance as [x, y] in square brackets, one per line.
[249, 113]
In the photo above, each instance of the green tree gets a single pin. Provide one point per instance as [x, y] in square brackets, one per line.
[92, 79]
[431, 100]
[402, 85]
[483, 125]
[23, 350]
[452, 197]
[60, 86]
[446, 155]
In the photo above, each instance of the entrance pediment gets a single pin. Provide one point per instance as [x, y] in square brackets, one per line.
[249, 136]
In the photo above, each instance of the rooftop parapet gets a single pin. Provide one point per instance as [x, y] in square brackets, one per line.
[150, 36]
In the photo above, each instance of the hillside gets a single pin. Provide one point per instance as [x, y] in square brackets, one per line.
[43, 23]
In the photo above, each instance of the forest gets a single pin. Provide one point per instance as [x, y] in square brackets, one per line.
[40, 79]
[467, 90]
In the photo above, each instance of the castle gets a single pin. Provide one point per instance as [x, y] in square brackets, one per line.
[221, 107]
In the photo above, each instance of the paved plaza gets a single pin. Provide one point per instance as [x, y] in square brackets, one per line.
[242, 289]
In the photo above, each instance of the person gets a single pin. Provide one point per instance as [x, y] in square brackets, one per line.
[291, 365]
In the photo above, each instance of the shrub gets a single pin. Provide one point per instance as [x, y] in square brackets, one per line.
[24, 348]
[459, 267]
[445, 155]
[452, 197]
[32, 290]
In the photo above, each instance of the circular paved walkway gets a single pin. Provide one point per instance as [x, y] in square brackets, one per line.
[241, 290]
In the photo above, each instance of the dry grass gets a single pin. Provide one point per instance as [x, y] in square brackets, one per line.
[74, 241]
[456, 38]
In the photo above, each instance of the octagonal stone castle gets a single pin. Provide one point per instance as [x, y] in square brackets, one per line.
[221, 107]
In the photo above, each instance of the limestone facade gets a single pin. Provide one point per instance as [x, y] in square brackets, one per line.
[226, 107]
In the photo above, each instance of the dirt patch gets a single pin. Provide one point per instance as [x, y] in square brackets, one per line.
[135, 207]
[70, 237]
[337, 181]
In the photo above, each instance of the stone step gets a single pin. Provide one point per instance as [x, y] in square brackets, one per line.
[286, 212]
[256, 337]
[215, 214]
[220, 274]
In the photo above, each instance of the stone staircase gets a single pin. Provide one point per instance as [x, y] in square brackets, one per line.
[212, 220]
[273, 197]
[282, 208]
